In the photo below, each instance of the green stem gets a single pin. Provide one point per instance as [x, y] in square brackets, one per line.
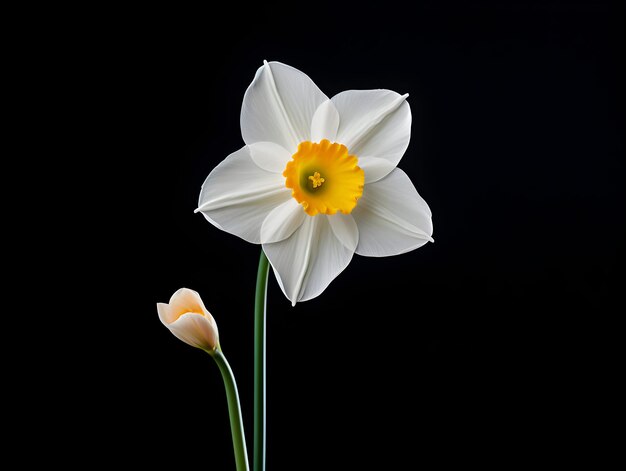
[234, 410]
[259, 364]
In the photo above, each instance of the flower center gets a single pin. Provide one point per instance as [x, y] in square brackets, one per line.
[317, 179]
[338, 189]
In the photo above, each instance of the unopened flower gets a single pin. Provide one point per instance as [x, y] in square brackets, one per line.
[187, 318]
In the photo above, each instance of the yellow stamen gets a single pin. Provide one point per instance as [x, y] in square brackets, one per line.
[317, 179]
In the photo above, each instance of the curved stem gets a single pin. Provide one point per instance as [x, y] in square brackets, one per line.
[234, 411]
[259, 364]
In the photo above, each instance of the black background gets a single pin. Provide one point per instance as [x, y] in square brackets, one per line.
[473, 348]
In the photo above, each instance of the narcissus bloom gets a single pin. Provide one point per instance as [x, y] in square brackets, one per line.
[189, 320]
[317, 180]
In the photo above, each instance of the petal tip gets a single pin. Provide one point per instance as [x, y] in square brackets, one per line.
[163, 311]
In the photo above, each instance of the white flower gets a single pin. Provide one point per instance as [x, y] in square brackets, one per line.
[317, 179]
[187, 318]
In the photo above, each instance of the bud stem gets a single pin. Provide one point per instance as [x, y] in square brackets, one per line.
[234, 410]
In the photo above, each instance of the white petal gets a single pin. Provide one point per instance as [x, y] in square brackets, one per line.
[165, 314]
[279, 106]
[238, 195]
[196, 330]
[345, 229]
[270, 156]
[325, 122]
[306, 262]
[392, 217]
[187, 299]
[375, 168]
[374, 123]
[282, 221]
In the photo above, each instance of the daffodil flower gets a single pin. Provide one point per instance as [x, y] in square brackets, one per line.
[317, 180]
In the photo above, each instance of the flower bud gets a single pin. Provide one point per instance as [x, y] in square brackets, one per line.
[187, 318]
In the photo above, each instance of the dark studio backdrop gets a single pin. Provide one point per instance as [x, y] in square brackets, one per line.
[467, 348]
